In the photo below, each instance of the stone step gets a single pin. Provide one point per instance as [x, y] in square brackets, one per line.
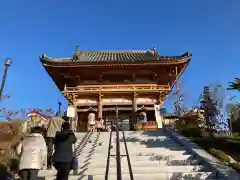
[144, 137]
[135, 147]
[154, 143]
[145, 169]
[136, 170]
[87, 142]
[147, 143]
[139, 161]
[154, 176]
[97, 158]
[144, 145]
[84, 152]
[147, 152]
[153, 156]
[160, 164]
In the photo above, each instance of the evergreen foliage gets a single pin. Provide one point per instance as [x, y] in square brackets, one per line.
[235, 85]
[210, 110]
[233, 110]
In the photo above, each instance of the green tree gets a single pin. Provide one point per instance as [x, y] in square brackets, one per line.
[210, 110]
[235, 85]
[219, 95]
[221, 99]
[233, 110]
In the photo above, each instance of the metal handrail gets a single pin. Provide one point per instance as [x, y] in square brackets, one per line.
[118, 155]
[109, 155]
[127, 155]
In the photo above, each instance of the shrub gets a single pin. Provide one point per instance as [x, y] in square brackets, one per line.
[194, 132]
[232, 143]
[10, 136]
[236, 126]
[236, 134]
[205, 144]
[219, 154]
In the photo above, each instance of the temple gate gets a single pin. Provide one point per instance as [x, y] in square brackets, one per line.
[99, 81]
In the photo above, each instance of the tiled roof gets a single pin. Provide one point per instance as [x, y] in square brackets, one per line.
[115, 56]
[131, 56]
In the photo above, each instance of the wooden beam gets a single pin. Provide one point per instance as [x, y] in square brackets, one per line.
[100, 106]
[150, 88]
[114, 109]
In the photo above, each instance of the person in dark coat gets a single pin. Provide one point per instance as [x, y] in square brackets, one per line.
[63, 155]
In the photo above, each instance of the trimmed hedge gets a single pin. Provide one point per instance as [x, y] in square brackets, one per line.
[224, 143]
[221, 145]
[235, 166]
[219, 154]
[195, 132]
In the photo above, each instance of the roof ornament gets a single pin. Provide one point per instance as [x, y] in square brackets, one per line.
[77, 50]
[155, 53]
[154, 49]
[44, 56]
[76, 53]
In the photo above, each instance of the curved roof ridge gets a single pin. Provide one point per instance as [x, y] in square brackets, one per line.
[115, 51]
[60, 58]
[97, 56]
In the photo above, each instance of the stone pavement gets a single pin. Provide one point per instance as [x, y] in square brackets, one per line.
[153, 155]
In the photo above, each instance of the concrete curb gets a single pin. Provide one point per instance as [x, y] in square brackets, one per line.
[221, 170]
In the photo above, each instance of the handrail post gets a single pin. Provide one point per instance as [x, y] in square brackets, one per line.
[118, 158]
[109, 151]
[127, 154]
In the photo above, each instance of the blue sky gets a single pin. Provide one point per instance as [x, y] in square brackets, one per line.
[208, 29]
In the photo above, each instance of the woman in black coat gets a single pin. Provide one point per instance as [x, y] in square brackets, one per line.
[63, 155]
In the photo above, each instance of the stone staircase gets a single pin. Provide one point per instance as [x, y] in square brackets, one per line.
[153, 155]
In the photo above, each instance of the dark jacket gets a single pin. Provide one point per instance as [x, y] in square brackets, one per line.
[63, 143]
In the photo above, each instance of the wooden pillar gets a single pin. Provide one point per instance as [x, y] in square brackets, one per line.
[100, 108]
[83, 121]
[75, 119]
[134, 111]
[158, 99]
[76, 122]
[133, 77]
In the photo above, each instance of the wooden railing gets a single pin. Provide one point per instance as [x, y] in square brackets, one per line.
[116, 88]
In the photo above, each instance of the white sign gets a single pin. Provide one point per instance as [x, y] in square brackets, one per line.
[71, 111]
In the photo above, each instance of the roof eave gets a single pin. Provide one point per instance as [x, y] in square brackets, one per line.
[180, 74]
[113, 63]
